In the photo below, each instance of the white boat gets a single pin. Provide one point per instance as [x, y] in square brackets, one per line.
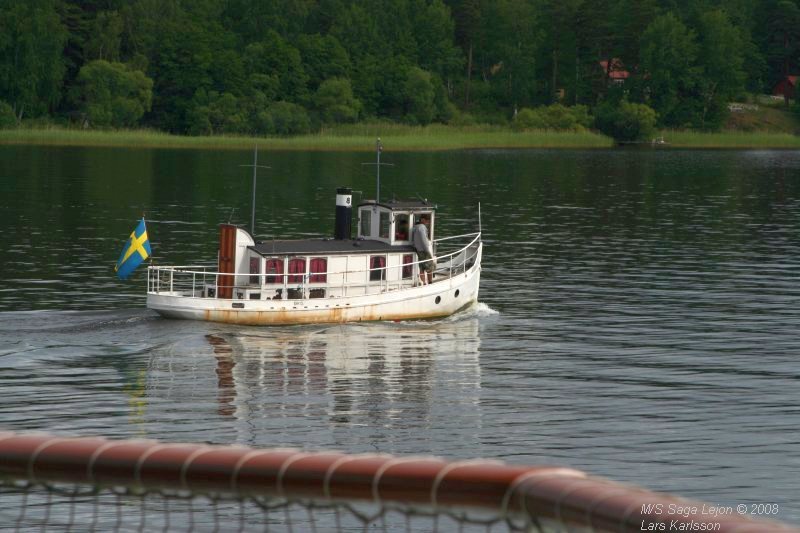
[373, 276]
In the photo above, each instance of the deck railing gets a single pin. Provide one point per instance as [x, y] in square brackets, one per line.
[94, 484]
[453, 257]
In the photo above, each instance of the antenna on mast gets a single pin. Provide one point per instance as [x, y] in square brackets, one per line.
[255, 166]
[378, 150]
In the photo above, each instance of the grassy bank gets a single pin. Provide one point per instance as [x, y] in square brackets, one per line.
[733, 140]
[350, 138]
[395, 137]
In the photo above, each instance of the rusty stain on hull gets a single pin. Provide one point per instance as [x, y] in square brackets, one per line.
[362, 313]
[278, 318]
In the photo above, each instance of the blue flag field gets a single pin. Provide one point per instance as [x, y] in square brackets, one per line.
[136, 250]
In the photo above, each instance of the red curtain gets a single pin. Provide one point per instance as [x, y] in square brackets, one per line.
[319, 270]
[255, 268]
[275, 266]
[408, 268]
[297, 266]
[377, 261]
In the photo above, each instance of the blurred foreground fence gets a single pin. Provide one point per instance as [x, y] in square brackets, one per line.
[94, 484]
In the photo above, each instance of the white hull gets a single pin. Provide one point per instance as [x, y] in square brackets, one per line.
[441, 298]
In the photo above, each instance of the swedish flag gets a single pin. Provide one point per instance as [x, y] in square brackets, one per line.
[136, 250]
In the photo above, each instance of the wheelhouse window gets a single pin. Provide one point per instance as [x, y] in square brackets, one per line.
[401, 227]
[297, 269]
[318, 268]
[255, 268]
[377, 267]
[408, 267]
[365, 218]
[385, 222]
[274, 271]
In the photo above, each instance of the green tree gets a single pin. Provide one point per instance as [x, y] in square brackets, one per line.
[213, 113]
[188, 49]
[112, 95]
[433, 33]
[105, 37]
[273, 56]
[288, 118]
[630, 17]
[7, 117]
[467, 17]
[335, 101]
[31, 62]
[721, 57]
[420, 96]
[561, 43]
[323, 57]
[626, 121]
[781, 39]
[508, 52]
[668, 57]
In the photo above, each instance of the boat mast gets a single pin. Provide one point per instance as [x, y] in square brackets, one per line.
[378, 149]
[253, 210]
[255, 166]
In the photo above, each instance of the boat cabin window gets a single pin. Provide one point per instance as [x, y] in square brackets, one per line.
[365, 218]
[318, 269]
[385, 223]
[377, 267]
[255, 268]
[408, 267]
[274, 270]
[297, 266]
[401, 227]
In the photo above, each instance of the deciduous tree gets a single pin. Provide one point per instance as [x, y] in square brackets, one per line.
[31, 62]
[111, 94]
[670, 75]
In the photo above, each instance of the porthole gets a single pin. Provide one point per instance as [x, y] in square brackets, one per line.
[438, 299]
[457, 292]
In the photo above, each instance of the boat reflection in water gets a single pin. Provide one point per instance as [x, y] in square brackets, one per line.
[391, 374]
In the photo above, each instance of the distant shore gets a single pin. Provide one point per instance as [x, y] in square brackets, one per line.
[354, 138]
[395, 138]
[731, 140]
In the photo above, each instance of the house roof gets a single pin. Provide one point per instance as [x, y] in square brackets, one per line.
[616, 71]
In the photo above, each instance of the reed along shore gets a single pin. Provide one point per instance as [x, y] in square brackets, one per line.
[361, 137]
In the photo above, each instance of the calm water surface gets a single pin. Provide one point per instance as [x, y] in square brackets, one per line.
[639, 313]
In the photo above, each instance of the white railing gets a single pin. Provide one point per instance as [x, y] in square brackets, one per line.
[453, 257]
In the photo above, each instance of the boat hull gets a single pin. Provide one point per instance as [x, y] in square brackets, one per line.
[438, 299]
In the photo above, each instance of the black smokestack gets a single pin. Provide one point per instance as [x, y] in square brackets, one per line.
[344, 213]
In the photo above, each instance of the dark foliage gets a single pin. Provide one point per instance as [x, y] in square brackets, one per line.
[249, 66]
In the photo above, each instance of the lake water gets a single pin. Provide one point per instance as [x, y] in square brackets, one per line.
[639, 315]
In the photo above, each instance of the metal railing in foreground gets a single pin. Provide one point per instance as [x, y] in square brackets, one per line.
[61, 484]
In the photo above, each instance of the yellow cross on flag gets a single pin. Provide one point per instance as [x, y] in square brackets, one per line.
[136, 250]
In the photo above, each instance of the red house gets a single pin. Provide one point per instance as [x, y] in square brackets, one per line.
[786, 87]
[615, 72]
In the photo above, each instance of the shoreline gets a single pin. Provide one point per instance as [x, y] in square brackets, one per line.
[397, 138]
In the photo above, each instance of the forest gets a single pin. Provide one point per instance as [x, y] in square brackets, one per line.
[282, 67]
